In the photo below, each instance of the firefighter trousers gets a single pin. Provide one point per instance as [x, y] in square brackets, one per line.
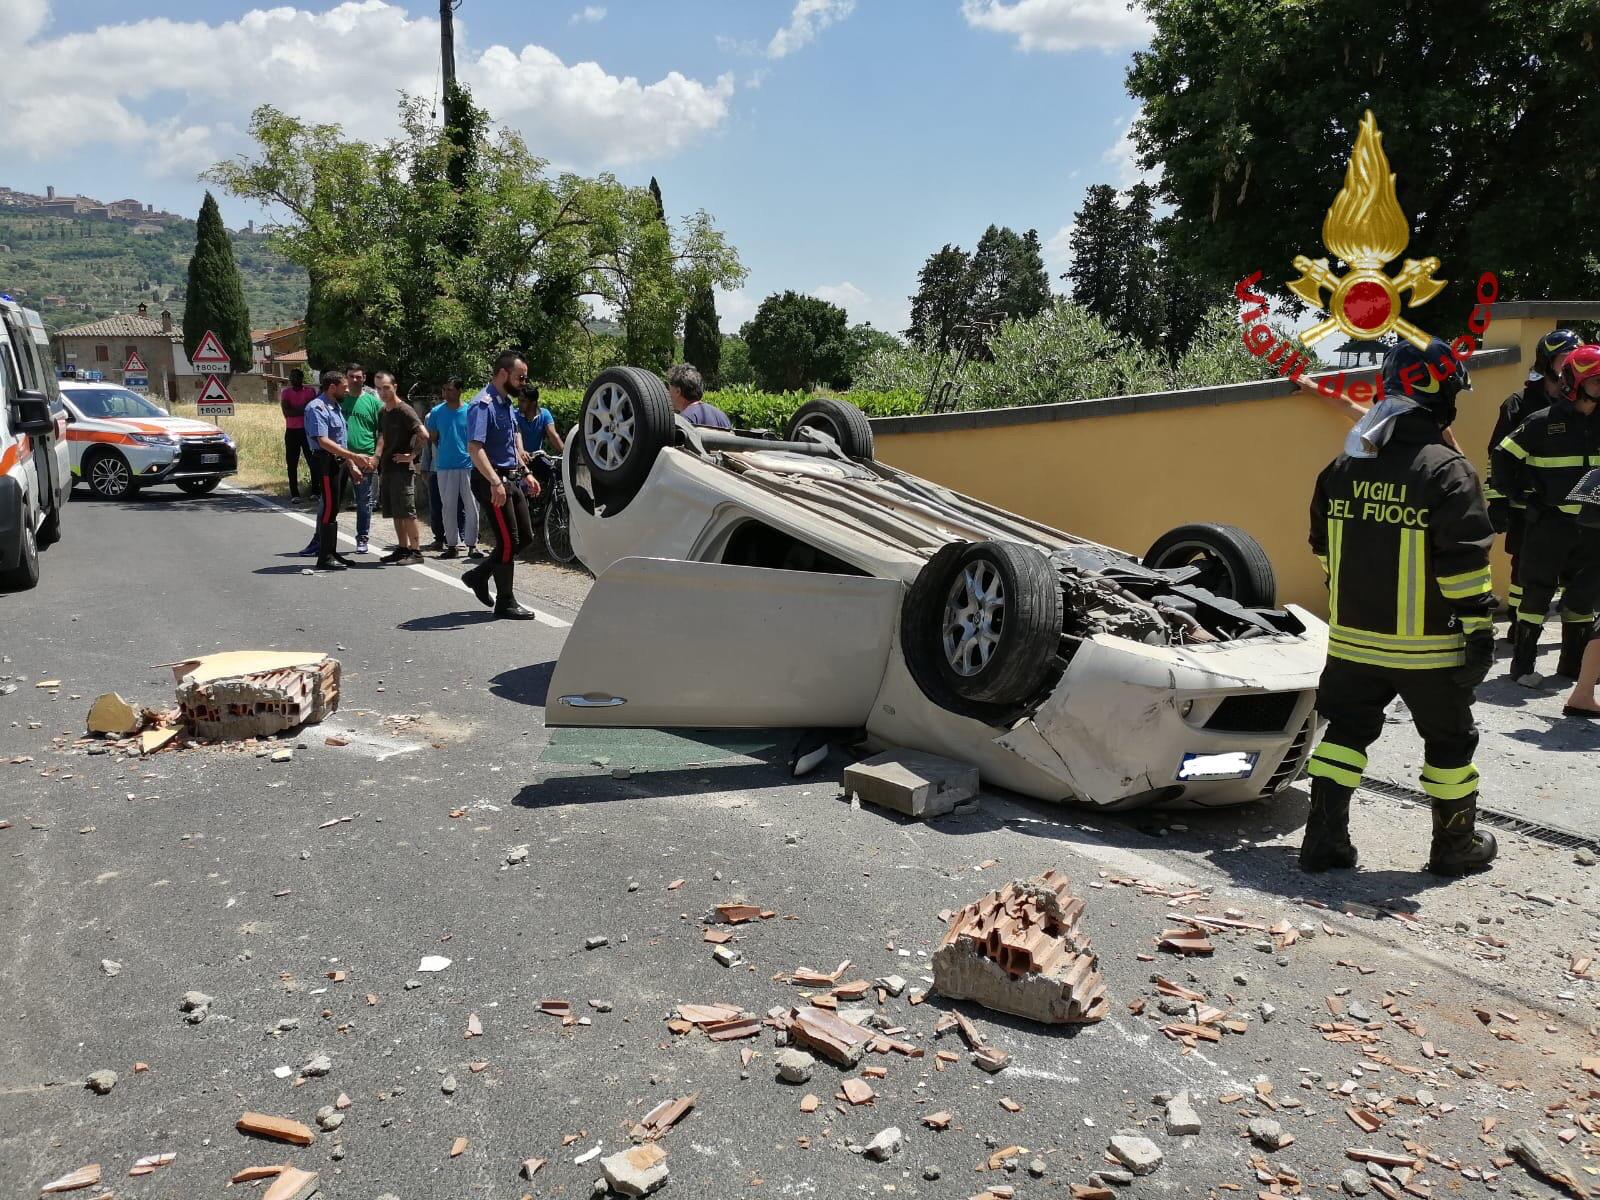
[1352, 697]
[1558, 553]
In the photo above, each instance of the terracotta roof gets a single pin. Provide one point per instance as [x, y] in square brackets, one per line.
[125, 326]
[293, 356]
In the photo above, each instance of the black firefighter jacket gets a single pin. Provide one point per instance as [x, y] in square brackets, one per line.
[1543, 460]
[1404, 539]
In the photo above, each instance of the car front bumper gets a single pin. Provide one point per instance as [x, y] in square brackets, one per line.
[193, 458]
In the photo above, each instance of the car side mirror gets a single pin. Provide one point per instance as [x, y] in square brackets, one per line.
[33, 414]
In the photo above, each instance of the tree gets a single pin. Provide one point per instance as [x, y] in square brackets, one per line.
[797, 342]
[214, 297]
[1250, 108]
[1006, 282]
[940, 311]
[428, 279]
[1138, 312]
[702, 338]
[736, 370]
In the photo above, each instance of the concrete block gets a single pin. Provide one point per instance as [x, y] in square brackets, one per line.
[912, 782]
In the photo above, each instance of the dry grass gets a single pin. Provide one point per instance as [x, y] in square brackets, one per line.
[258, 430]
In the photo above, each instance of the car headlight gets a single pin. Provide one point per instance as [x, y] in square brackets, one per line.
[159, 440]
[1185, 709]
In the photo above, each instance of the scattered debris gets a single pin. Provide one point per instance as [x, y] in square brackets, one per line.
[248, 693]
[637, 1171]
[595, 941]
[113, 716]
[530, 1166]
[292, 1183]
[885, 1145]
[433, 962]
[836, 1039]
[101, 1082]
[110, 967]
[1139, 1154]
[737, 914]
[1182, 1120]
[1543, 1163]
[938, 1120]
[911, 782]
[277, 1129]
[663, 1117]
[1019, 950]
[1267, 1133]
[459, 1147]
[794, 1066]
[81, 1178]
[151, 1163]
[251, 1174]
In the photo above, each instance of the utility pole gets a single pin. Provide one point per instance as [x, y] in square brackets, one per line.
[447, 48]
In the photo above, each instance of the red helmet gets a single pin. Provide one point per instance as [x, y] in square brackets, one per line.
[1583, 364]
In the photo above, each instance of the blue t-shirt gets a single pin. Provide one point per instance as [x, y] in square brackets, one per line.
[492, 420]
[451, 426]
[533, 430]
[324, 420]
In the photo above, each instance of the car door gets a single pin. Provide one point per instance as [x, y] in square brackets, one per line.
[32, 346]
[664, 643]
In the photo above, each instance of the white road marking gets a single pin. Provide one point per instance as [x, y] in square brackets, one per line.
[543, 618]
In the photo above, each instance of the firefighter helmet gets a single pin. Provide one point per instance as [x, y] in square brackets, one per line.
[1551, 345]
[1432, 377]
[1583, 365]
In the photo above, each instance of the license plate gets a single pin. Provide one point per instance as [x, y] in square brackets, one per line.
[210, 458]
[1237, 764]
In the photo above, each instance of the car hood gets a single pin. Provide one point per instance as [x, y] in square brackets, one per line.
[178, 427]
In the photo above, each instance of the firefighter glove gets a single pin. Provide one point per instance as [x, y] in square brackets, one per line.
[1500, 515]
[1480, 658]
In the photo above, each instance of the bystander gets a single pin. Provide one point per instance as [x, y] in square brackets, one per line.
[687, 392]
[452, 471]
[361, 407]
[293, 400]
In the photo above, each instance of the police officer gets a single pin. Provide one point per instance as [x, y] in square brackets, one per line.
[497, 479]
[331, 460]
[1401, 528]
[1540, 464]
[1542, 389]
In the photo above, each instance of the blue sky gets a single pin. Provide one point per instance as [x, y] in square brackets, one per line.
[838, 142]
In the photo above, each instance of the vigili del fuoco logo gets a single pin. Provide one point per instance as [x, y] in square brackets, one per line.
[1366, 230]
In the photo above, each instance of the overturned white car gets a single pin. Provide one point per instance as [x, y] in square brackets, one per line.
[745, 581]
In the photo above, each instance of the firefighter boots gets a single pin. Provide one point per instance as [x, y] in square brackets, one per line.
[1327, 839]
[1459, 848]
[1525, 652]
[1574, 637]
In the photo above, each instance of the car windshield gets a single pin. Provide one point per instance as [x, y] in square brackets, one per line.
[112, 402]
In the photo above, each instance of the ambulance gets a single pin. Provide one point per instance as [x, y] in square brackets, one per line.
[35, 474]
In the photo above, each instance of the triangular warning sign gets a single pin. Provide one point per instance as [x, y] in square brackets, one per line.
[209, 350]
[214, 393]
[134, 365]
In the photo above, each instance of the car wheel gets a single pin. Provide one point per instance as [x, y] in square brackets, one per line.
[986, 617]
[25, 574]
[839, 419]
[558, 531]
[624, 423]
[199, 487]
[109, 476]
[1232, 563]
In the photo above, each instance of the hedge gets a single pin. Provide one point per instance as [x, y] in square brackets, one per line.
[749, 409]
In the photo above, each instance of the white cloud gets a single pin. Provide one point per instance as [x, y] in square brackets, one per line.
[345, 64]
[735, 307]
[809, 18]
[1057, 254]
[846, 295]
[587, 15]
[1061, 24]
[889, 316]
[1123, 157]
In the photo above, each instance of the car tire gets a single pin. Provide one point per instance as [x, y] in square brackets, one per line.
[623, 425]
[558, 532]
[983, 619]
[1233, 564]
[199, 487]
[839, 419]
[25, 574]
[109, 476]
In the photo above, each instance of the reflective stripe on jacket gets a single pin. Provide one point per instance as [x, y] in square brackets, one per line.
[1543, 460]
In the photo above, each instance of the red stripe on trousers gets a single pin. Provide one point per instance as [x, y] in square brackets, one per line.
[505, 533]
[327, 499]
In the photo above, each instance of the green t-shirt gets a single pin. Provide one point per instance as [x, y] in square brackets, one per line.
[361, 414]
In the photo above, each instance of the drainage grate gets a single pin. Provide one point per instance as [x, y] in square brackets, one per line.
[1549, 834]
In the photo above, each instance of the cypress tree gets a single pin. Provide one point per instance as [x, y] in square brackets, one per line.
[702, 338]
[214, 297]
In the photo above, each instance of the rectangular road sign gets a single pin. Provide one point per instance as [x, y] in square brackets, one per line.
[214, 400]
[138, 382]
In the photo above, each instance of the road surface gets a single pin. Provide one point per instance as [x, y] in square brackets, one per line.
[213, 869]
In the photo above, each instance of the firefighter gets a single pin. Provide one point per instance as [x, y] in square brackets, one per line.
[1400, 526]
[1542, 389]
[1583, 703]
[1540, 464]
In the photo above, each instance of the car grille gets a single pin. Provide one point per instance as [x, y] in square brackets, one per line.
[1258, 712]
[1289, 769]
[193, 452]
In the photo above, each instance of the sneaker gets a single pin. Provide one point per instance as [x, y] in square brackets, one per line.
[449, 552]
[411, 558]
[361, 546]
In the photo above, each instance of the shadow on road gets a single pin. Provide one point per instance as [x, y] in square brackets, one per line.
[521, 685]
[172, 500]
[441, 622]
[593, 786]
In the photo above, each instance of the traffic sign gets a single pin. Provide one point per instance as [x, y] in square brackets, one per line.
[209, 358]
[134, 365]
[214, 400]
[139, 382]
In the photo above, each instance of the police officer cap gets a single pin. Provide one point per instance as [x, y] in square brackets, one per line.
[1431, 377]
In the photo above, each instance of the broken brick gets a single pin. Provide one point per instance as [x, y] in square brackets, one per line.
[277, 1129]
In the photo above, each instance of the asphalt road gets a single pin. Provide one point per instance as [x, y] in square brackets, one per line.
[208, 869]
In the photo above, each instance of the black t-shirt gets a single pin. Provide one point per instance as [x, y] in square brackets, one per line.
[400, 428]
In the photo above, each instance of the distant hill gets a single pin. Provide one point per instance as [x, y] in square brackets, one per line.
[75, 270]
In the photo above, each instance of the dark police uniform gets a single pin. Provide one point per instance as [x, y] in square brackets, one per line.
[323, 418]
[492, 421]
[1539, 464]
[1404, 538]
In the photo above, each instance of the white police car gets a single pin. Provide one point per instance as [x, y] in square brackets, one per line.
[122, 441]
